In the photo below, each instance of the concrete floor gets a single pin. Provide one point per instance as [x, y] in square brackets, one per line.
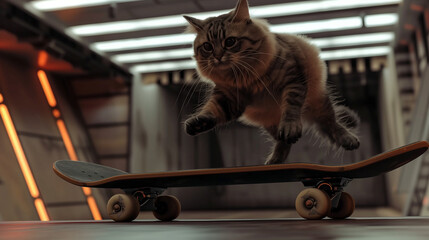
[356, 228]
[268, 214]
[266, 224]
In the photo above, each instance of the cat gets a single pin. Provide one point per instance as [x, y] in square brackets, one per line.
[272, 81]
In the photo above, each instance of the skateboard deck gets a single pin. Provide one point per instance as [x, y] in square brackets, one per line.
[95, 175]
[330, 179]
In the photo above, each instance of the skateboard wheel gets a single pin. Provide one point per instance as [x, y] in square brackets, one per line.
[167, 208]
[345, 208]
[123, 208]
[313, 203]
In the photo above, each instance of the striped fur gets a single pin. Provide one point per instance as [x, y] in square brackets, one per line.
[273, 81]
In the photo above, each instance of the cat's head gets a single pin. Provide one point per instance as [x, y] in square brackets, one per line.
[232, 45]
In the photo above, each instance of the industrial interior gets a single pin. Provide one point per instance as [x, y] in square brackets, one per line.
[111, 82]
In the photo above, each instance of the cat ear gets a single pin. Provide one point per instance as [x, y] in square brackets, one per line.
[241, 12]
[196, 24]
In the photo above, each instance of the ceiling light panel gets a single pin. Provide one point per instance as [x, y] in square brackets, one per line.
[355, 53]
[53, 5]
[154, 55]
[143, 43]
[127, 26]
[266, 11]
[378, 20]
[332, 42]
[319, 26]
[353, 40]
[325, 55]
[164, 66]
[304, 7]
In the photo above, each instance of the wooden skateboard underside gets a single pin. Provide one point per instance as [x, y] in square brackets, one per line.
[93, 175]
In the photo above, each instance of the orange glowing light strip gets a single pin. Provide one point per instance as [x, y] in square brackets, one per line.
[23, 162]
[87, 191]
[72, 154]
[42, 59]
[19, 152]
[93, 207]
[41, 210]
[47, 88]
[66, 139]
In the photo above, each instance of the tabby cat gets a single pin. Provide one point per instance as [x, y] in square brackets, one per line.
[273, 81]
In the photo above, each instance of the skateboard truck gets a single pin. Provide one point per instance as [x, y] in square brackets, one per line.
[325, 197]
[332, 186]
[146, 197]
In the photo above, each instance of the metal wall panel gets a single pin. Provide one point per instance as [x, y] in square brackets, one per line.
[84, 87]
[27, 104]
[110, 140]
[105, 110]
[118, 163]
[41, 154]
[74, 123]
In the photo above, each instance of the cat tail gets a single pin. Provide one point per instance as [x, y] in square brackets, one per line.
[347, 117]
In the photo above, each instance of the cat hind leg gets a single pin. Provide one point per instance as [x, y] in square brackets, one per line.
[280, 150]
[346, 117]
[279, 154]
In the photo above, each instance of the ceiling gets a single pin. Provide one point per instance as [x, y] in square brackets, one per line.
[370, 25]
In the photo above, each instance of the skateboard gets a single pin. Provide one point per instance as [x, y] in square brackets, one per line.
[324, 195]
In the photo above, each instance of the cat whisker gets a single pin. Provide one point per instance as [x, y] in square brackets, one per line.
[184, 85]
[249, 70]
[270, 54]
[188, 95]
[256, 59]
[236, 85]
[250, 56]
[190, 92]
[244, 79]
[252, 70]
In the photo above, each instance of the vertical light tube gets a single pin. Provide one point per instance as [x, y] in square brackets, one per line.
[47, 88]
[19, 152]
[66, 139]
[22, 161]
[41, 210]
[50, 97]
[94, 209]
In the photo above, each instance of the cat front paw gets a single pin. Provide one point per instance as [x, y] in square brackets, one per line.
[289, 131]
[272, 161]
[199, 124]
[349, 142]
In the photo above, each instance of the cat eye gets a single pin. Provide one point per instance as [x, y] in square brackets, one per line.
[229, 42]
[208, 47]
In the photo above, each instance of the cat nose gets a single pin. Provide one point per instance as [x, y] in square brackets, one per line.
[218, 55]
